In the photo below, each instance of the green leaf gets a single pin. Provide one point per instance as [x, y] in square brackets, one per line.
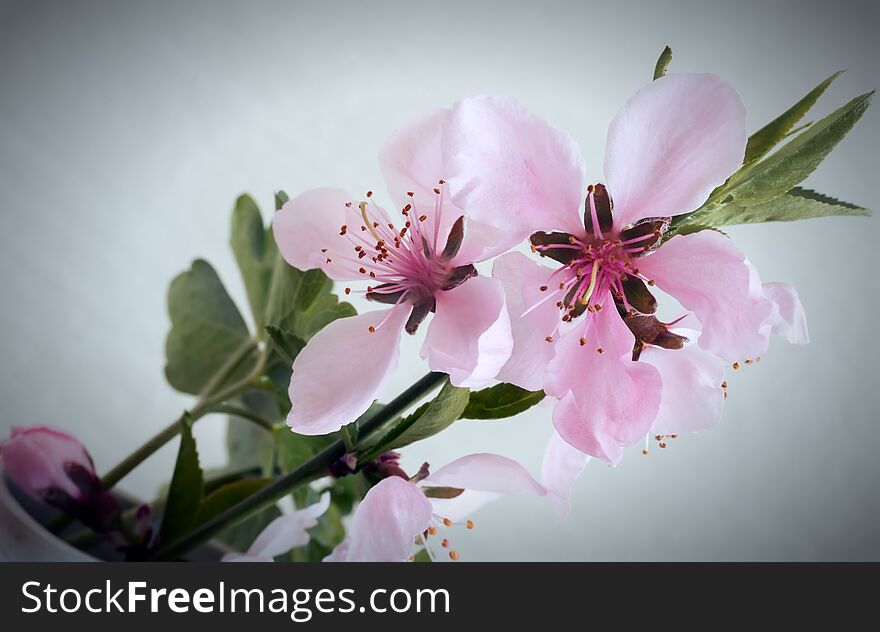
[427, 420]
[295, 449]
[247, 445]
[302, 303]
[285, 344]
[499, 401]
[255, 251]
[242, 534]
[222, 499]
[422, 556]
[795, 205]
[663, 63]
[208, 335]
[186, 490]
[761, 142]
[761, 181]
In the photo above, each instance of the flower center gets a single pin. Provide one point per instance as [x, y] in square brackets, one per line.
[405, 264]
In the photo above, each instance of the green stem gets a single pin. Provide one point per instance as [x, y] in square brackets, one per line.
[310, 470]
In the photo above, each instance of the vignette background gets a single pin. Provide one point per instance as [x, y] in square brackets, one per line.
[128, 129]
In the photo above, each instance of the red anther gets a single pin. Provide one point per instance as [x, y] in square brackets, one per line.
[369, 194]
[441, 181]
[600, 350]
[437, 191]
[410, 193]
[445, 543]
[543, 288]
[583, 341]
[371, 329]
[348, 290]
[422, 218]
[735, 365]
[549, 338]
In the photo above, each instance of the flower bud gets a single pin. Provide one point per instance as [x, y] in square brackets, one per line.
[55, 468]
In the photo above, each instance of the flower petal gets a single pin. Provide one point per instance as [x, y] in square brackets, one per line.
[307, 231]
[692, 397]
[709, 276]
[386, 523]
[563, 464]
[469, 337]
[791, 321]
[412, 162]
[288, 531]
[462, 506]
[607, 401]
[522, 279]
[512, 169]
[484, 472]
[343, 369]
[673, 142]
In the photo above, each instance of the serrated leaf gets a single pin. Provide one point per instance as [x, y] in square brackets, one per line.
[662, 64]
[500, 401]
[186, 489]
[795, 205]
[765, 139]
[225, 497]
[427, 420]
[207, 335]
[255, 252]
[761, 181]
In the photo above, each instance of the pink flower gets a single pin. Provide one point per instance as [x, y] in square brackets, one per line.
[396, 513]
[579, 327]
[54, 468]
[420, 263]
[283, 534]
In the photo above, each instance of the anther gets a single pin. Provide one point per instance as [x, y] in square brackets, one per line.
[347, 290]
[369, 194]
[371, 329]
[735, 365]
[432, 530]
[447, 522]
[410, 193]
[543, 288]
[583, 341]
[469, 524]
[453, 555]
[437, 191]
[600, 350]
[422, 218]
[445, 543]
[549, 338]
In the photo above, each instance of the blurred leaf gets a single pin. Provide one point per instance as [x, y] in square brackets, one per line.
[663, 63]
[294, 449]
[231, 494]
[285, 344]
[765, 139]
[186, 490]
[255, 251]
[208, 335]
[761, 181]
[242, 534]
[247, 445]
[422, 556]
[499, 401]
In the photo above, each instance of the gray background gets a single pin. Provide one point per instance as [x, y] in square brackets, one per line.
[127, 129]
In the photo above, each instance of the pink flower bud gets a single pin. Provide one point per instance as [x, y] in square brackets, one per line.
[40, 459]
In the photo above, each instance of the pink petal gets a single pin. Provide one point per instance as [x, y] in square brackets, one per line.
[288, 531]
[343, 369]
[522, 279]
[710, 277]
[791, 321]
[692, 398]
[607, 401]
[512, 169]
[307, 231]
[562, 466]
[386, 523]
[412, 162]
[35, 458]
[462, 506]
[486, 472]
[469, 337]
[673, 142]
